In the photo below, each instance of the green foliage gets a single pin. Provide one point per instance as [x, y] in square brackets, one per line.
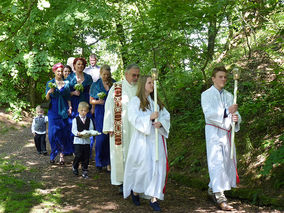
[16, 108]
[275, 159]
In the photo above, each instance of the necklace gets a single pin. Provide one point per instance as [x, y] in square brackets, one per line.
[59, 83]
[80, 77]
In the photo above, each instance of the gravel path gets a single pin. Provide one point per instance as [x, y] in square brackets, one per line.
[95, 194]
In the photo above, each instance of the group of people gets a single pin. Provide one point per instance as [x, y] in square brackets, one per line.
[124, 113]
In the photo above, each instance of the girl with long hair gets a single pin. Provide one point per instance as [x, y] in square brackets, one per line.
[143, 173]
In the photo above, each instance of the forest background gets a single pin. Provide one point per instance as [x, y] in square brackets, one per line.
[184, 40]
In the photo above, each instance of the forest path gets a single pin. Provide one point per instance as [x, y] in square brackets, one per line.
[95, 194]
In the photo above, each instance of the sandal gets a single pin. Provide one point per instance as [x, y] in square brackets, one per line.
[61, 159]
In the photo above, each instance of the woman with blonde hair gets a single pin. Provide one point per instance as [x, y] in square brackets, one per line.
[143, 173]
[98, 94]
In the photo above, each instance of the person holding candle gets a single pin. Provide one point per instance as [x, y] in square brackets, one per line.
[220, 113]
[143, 173]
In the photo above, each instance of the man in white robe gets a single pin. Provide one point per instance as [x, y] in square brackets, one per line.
[118, 153]
[220, 112]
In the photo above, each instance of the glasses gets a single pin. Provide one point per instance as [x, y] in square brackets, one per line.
[135, 75]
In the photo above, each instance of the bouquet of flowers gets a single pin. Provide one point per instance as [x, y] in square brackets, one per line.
[51, 85]
[79, 87]
[101, 95]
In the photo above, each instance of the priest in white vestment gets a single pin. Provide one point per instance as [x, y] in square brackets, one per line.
[220, 112]
[116, 107]
[143, 174]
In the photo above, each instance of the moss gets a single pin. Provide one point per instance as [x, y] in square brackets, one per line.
[188, 181]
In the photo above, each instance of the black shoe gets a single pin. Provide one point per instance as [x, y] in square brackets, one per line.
[39, 153]
[155, 206]
[120, 189]
[135, 199]
[99, 168]
[75, 171]
[85, 174]
[44, 153]
[52, 161]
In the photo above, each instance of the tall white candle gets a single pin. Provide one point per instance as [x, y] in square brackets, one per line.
[155, 77]
[236, 75]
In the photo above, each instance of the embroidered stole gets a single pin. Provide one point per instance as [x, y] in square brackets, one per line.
[118, 148]
[117, 113]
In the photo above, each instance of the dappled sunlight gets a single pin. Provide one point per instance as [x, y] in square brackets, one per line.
[32, 163]
[29, 145]
[8, 119]
[106, 206]
[59, 190]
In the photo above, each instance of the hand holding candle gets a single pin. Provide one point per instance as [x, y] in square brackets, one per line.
[236, 74]
[155, 78]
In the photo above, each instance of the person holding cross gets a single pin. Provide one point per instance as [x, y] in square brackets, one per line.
[220, 113]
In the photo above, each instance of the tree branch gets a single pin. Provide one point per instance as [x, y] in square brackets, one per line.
[23, 23]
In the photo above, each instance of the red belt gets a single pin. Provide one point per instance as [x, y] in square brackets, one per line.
[229, 137]
[168, 167]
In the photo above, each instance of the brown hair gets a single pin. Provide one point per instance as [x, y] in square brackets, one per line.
[218, 69]
[144, 103]
[107, 68]
[80, 59]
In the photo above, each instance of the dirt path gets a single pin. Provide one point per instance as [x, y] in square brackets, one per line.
[95, 194]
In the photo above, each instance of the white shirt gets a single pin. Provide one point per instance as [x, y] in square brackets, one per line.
[93, 71]
[78, 140]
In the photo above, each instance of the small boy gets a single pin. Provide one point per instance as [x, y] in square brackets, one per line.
[81, 145]
[39, 130]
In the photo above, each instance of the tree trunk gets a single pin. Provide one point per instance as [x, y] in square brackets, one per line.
[212, 32]
[32, 92]
[121, 37]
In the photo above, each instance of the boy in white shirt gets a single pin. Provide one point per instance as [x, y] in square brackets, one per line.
[81, 145]
[39, 130]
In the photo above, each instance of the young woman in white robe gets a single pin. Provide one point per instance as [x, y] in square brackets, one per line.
[143, 174]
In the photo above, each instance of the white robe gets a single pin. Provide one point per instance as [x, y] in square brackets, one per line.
[222, 169]
[118, 153]
[143, 174]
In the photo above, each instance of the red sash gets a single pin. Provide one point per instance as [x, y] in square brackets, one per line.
[168, 167]
[229, 137]
[117, 113]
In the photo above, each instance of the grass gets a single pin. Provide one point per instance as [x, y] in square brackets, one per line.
[19, 195]
[5, 129]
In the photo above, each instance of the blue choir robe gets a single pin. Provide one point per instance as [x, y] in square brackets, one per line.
[58, 127]
[102, 141]
[84, 96]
